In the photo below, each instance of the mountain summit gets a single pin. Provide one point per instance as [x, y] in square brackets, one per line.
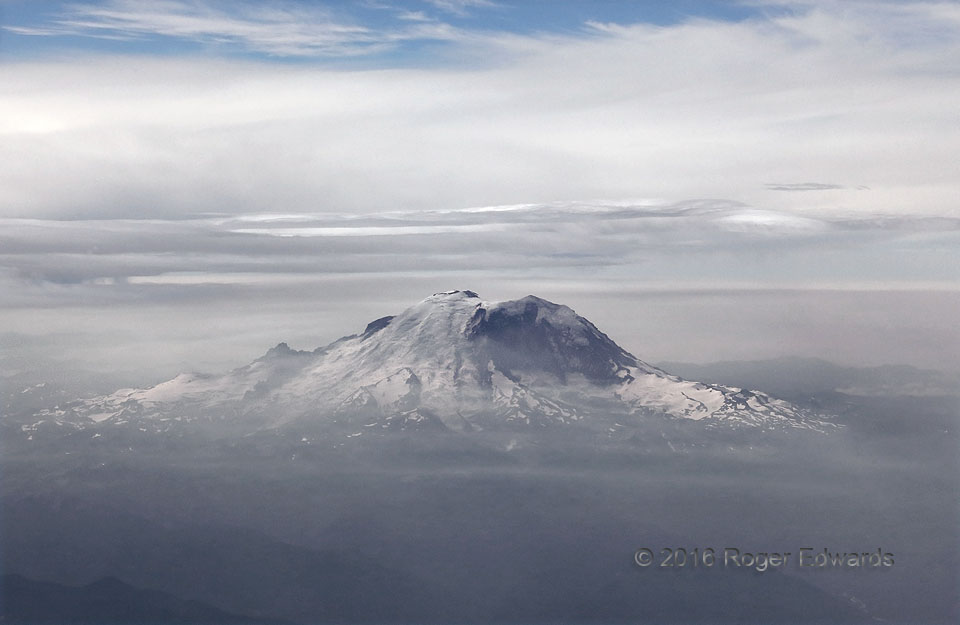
[454, 362]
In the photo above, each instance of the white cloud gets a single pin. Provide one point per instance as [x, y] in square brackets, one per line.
[700, 109]
[802, 186]
[368, 231]
[284, 30]
[461, 8]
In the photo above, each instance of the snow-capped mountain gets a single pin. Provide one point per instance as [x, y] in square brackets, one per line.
[452, 361]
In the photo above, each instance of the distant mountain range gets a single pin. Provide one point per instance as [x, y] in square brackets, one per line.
[797, 377]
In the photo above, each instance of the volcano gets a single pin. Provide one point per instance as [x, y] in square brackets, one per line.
[451, 362]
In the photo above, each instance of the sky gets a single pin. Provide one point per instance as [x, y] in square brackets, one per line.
[184, 184]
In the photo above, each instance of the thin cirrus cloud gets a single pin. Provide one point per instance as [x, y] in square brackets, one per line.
[288, 30]
[802, 186]
[462, 7]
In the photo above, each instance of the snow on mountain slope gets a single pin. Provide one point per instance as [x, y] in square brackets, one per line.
[454, 361]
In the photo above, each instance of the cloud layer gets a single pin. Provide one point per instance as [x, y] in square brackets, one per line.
[845, 98]
[695, 280]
